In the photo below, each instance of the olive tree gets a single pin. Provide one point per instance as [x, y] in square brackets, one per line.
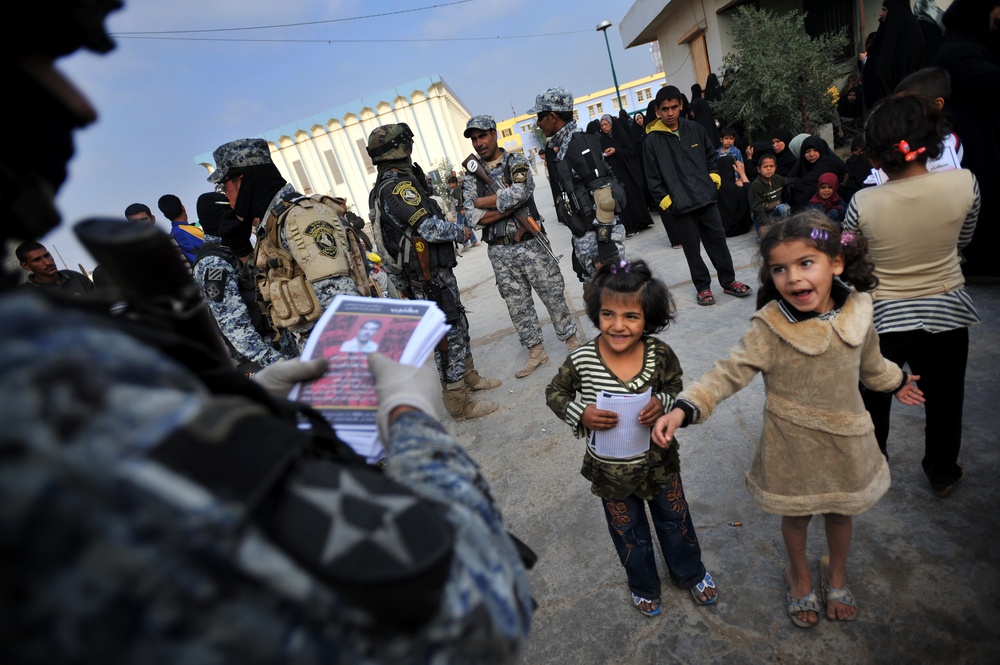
[777, 76]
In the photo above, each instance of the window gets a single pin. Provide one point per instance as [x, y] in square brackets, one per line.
[506, 132]
[600, 108]
[300, 173]
[592, 110]
[576, 115]
[527, 128]
[614, 102]
[362, 148]
[596, 109]
[338, 176]
[644, 95]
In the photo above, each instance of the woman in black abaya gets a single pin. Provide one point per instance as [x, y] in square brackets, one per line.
[619, 151]
[897, 51]
[815, 159]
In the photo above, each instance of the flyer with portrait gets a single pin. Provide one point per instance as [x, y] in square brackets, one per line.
[352, 327]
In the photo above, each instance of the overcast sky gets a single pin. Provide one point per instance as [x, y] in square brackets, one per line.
[196, 78]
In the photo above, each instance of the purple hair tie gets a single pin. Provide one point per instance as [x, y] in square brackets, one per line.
[622, 264]
[846, 238]
[819, 235]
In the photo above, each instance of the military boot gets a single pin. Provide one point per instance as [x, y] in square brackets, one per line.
[572, 343]
[474, 380]
[461, 406]
[536, 357]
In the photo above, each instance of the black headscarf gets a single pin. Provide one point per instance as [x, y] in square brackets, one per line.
[785, 160]
[713, 91]
[807, 174]
[218, 219]
[705, 117]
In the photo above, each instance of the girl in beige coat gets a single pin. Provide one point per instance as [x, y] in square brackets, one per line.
[812, 339]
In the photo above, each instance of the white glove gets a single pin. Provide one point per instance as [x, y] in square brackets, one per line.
[278, 378]
[402, 385]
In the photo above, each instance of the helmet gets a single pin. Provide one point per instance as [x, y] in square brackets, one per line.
[390, 142]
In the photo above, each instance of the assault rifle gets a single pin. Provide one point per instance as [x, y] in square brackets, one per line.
[526, 223]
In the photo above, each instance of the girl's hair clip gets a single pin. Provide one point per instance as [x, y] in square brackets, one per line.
[910, 155]
[623, 265]
[819, 235]
[846, 238]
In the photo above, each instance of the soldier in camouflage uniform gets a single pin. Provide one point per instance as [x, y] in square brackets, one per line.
[576, 209]
[518, 266]
[256, 190]
[224, 275]
[152, 503]
[418, 249]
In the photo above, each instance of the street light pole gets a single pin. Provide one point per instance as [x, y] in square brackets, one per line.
[603, 27]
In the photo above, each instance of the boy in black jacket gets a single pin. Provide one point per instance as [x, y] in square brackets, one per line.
[682, 177]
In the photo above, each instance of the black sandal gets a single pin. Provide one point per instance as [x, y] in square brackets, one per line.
[706, 298]
[738, 289]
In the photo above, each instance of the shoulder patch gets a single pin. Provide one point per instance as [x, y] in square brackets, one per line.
[215, 283]
[406, 191]
[324, 236]
[519, 173]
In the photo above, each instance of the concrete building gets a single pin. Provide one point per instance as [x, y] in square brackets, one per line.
[325, 153]
[693, 35]
[520, 133]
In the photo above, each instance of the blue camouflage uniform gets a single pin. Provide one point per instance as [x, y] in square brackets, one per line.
[217, 280]
[111, 555]
[396, 211]
[519, 267]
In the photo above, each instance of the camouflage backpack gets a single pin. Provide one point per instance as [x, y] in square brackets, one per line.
[320, 247]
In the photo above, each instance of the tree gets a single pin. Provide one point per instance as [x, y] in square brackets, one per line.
[779, 77]
[438, 175]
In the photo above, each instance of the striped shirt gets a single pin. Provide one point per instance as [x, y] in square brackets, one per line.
[936, 313]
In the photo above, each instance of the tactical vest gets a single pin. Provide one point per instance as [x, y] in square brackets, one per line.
[398, 237]
[245, 276]
[578, 174]
[320, 247]
[508, 227]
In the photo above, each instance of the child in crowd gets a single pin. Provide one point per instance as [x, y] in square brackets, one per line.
[729, 148]
[629, 306]
[766, 203]
[812, 338]
[826, 201]
[917, 223]
[933, 84]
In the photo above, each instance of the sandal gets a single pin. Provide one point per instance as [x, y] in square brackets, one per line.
[706, 298]
[842, 595]
[638, 600]
[699, 589]
[738, 289]
[795, 604]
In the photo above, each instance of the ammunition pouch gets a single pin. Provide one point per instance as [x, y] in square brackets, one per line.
[319, 247]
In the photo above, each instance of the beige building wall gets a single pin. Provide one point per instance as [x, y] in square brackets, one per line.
[325, 153]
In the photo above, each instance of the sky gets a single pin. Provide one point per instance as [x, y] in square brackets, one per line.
[189, 75]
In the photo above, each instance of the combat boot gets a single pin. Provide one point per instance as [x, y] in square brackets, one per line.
[536, 357]
[461, 406]
[572, 343]
[474, 380]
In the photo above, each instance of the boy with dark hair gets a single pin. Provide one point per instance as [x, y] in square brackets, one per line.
[682, 176]
[187, 236]
[728, 148]
[766, 204]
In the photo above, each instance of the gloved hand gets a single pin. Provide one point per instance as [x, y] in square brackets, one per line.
[402, 385]
[716, 178]
[279, 378]
[666, 202]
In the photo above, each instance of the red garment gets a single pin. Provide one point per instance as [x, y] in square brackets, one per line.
[833, 201]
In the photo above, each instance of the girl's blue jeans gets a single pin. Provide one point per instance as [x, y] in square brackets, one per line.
[630, 533]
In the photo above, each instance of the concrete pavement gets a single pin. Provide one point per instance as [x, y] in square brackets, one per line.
[924, 570]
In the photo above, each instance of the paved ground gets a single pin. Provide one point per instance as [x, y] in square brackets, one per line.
[924, 570]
